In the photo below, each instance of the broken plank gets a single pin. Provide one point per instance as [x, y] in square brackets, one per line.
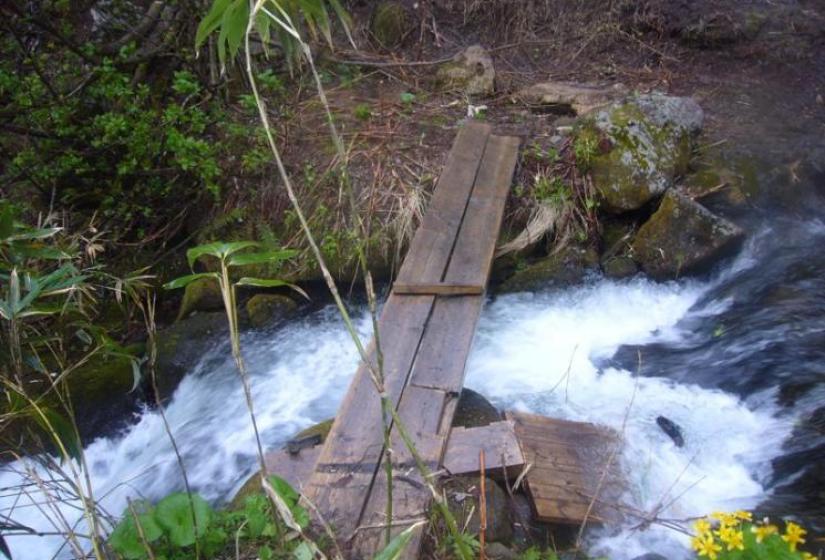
[497, 440]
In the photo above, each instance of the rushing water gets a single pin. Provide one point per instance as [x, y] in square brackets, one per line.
[735, 359]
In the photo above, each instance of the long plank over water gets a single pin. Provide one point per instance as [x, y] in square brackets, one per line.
[425, 330]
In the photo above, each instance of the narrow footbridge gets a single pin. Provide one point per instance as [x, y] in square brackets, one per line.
[426, 331]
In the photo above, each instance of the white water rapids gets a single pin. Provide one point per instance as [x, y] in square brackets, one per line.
[524, 347]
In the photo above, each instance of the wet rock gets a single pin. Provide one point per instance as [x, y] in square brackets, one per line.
[182, 344]
[683, 237]
[471, 71]
[463, 494]
[672, 429]
[722, 188]
[474, 410]
[263, 309]
[201, 295]
[389, 24]
[636, 148]
[568, 266]
[619, 267]
[569, 96]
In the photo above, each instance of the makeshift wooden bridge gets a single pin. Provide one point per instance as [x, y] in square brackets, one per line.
[426, 331]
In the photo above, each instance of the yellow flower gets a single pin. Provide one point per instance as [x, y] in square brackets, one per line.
[725, 519]
[793, 535]
[702, 526]
[735, 540]
[763, 532]
[808, 556]
[706, 547]
[743, 515]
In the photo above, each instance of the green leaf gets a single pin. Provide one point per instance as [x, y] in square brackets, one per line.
[270, 283]
[126, 539]
[219, 250]
[6, 222]
[397, 545]
[211, 22]
[265, 257]
[174, 514]
[302, 552]
[29, 234]
[61, 431]
[286, 492]
[188, 279]
[265, 553]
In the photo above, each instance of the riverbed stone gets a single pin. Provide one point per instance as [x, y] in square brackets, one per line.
[463, 494]
[566, 267]
[619, 266]
[182, 344]
[470, 71]
[264, 309]
[683, 237]
[474, 410]
[636, 148]
[203, 294]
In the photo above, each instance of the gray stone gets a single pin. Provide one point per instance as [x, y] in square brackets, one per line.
[463, 499]
[580, 98]
[263, 309]
[499, 551]
[683, 237]
[470, 71]
[474, 410]
[619, 267]
[568, 266]
[637, 147]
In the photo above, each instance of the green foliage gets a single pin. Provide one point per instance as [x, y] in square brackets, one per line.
[551, 189]
[735, 536]
[362, 112]
[535, 553]
[586, 148]
[230, 18]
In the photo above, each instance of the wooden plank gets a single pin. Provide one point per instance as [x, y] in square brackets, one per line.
[473, 255]
[346, 468]
[440, 364]
[435, 238]
[567, 462]
[439, 289]
[295, 468]
[497, 440]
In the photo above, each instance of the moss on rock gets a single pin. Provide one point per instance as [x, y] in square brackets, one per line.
[471, 71]
[566, 267]
[682, 237]
[263, 309]
[650, 144]
[203, 294]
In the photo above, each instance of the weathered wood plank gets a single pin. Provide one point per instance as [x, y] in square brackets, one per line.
[435, 238]
[439, 289]
[295, 468]
[567, 459]
[346, 468]
[497, 440]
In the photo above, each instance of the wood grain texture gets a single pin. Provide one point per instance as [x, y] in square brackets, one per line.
[497, 440]
[568, 459]
[439, 289]
[435, 238]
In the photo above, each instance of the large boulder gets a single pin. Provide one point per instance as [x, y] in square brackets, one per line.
[566, 267]
[264, 309]
[203, 294]
[636, 148]
[474, 410]
[470, 71]
[182, 344]
[682, 237]
[463, 493]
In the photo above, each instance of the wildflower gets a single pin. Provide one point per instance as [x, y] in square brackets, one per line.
[702, 526]
[793, 535]
[743, 515]
[706, 546]
[763, 532]
[735, 540]
[725, 519]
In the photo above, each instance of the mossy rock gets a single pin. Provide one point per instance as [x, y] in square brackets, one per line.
[463, 493]
[182, 344]
[390, 23]
[474, 410]
[264, 309]
[470, 71]
[619, 267]
[645, 142]
[683, 237]
[203, 294]
[568, 266]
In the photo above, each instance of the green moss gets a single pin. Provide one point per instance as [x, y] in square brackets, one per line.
[102, 377]
[563, 268]
[263, 309]
[201, 295]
